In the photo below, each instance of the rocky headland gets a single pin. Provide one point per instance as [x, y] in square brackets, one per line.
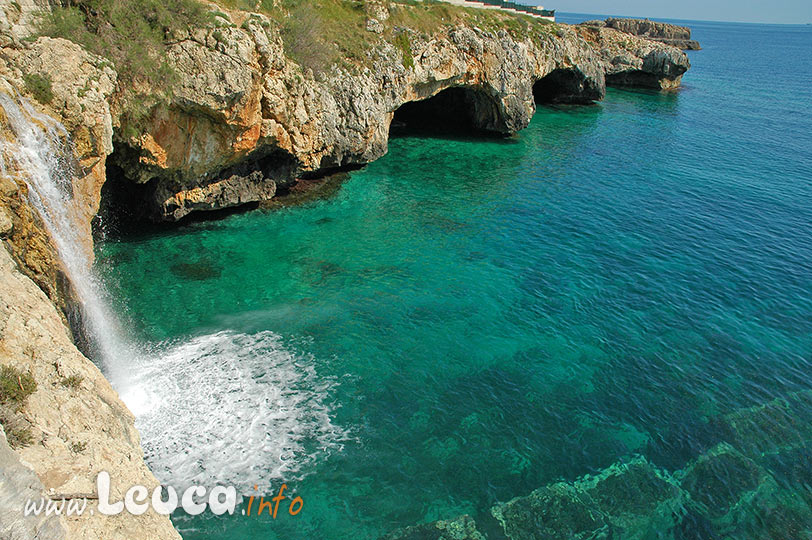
[670, 34]
[236, 110]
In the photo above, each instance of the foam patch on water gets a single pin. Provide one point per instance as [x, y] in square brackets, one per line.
[231, 408]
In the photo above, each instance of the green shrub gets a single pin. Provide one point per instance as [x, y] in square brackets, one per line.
[304, 36]
[17, 431]
[40, 87]
[405, 46]
[15, 385]
[72, 381]
[78, 447]
[18, 438]
[132, 34]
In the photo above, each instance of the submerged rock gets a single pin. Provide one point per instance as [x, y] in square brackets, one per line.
[779, 425]
[462, 528]
[637, 499]
[719, 479]
[741, 499]
[557, 512]
[630, 500]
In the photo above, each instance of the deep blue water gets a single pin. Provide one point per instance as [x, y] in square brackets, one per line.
[468, 320]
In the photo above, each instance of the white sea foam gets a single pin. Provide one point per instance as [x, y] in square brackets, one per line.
[226, 408]
[231, 408]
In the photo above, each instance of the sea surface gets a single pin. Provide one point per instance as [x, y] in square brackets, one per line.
[467, 320]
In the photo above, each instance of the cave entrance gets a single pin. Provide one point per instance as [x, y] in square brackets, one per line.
[133, 203]
[563, 86]
[459, 110]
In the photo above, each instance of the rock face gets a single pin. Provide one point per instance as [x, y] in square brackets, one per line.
[81, 85]
[670, 34]
[19, 483]
[637, 62]
[77, 424]
[242, 100]
[18, 19]
[246, 121]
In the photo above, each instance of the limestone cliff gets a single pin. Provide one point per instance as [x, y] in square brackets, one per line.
[242, 102]
[670, 34]
[243, 121]
[76, 423]
[633, 61]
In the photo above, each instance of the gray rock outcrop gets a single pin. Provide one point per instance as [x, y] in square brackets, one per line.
[633, 61]
[18, 484]
[670, 34]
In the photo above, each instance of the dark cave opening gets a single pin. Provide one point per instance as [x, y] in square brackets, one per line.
[459, 110]
[132, 208]
[564, 86]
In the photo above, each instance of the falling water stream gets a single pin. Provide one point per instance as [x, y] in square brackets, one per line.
[41, 155]
[269, 399]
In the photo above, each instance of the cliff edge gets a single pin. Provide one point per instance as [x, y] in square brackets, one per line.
[231, 111]
[670, 34]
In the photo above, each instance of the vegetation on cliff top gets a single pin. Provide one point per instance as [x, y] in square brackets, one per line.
[134, 36]
[317, 34]
[320, 33]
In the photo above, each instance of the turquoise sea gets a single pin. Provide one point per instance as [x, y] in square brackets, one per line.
[467, 320]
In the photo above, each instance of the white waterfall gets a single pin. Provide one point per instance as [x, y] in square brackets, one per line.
[40, 154]
[185, 396]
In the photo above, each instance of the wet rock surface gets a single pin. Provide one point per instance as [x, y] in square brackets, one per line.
[753, 484]
[462, 528]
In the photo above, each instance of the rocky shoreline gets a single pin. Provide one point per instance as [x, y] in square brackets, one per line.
[670, 34]
[245, 124]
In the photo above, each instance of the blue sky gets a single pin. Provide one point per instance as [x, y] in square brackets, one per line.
[772, 11]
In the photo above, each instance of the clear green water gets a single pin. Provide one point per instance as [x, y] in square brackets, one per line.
[466, 320]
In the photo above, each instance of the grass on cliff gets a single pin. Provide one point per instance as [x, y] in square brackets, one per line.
[40, 87]
[15, 387]
[320, 33]
[132, 34]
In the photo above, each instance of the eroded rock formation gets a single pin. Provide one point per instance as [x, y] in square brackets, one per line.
[240, 100]
[244, 122]
[76, 423]
[670, 34]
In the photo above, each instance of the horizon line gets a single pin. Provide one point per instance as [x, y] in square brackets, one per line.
[684, 20]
